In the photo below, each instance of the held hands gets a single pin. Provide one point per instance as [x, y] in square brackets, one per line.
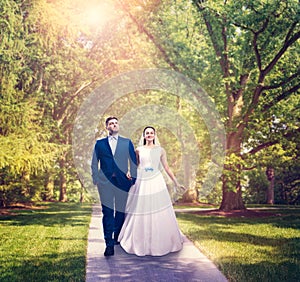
[128, 175]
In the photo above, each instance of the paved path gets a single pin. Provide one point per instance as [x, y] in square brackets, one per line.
[188, 265]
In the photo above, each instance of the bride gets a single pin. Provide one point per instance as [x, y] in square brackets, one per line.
[150, 226]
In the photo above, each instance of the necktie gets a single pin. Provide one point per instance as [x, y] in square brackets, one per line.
[113, 144]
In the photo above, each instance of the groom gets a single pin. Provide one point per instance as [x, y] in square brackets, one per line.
[117, 173]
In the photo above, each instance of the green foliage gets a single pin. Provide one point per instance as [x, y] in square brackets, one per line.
[24, 141]
[287, 183]
[26, 153]
[243, 53]
[256, 186]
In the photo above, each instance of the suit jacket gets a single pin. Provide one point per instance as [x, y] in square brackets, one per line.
[114, 165]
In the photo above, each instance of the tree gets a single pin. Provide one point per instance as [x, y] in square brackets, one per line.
[243, 54]
[287, 183]
[25, 146]
[255, 45]
[74, 57]
[66, 64]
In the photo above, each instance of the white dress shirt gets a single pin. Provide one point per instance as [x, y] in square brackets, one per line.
[113, 140]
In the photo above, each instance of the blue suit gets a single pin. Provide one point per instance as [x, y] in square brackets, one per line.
[112, 182]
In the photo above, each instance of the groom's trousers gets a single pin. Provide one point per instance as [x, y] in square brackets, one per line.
[113, 202]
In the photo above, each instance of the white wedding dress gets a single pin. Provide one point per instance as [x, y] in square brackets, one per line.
[150, 226]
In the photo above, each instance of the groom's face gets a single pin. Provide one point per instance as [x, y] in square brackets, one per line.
[113, 126]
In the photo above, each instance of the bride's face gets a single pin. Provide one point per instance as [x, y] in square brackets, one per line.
[149, 135]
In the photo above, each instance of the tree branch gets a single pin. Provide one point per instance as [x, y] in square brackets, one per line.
[284, 82]
[255, 46]
[142, 28]
[249, 168]
[211, 33]
[287, 43]
[61, 114]
[259, 88]
[261, 147]
[243, 81]
[281, 97]
[273, 142]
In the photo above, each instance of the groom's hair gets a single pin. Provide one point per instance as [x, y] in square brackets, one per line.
[108, 119]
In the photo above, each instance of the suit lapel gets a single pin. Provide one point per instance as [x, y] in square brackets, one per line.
[108, 146]
[118, 144]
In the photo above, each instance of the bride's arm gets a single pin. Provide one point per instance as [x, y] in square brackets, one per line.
[137, 163]
[164, 162]
[137, 157]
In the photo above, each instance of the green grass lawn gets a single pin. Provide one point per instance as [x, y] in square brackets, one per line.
[49, 243]
[249, 249]
[45, 244]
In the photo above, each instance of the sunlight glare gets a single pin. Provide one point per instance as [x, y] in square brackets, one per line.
[97, 16]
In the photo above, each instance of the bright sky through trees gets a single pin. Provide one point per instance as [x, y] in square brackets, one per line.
[97, 15]
[93, 15]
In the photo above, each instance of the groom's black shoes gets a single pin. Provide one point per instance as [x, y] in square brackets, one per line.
[116, 242]
[109, 251]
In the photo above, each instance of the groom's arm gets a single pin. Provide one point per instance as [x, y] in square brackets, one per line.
[132, 161]
[95, 168]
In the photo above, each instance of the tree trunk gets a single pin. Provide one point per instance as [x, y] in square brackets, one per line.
[232, 200]
[191, 195]
[25, 180]
[49, 187]
[231, 187]
[63, 180]
[82, 190]
[270, 191]
[81, 196]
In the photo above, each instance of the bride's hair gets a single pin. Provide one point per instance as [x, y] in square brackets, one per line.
[144, 134]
